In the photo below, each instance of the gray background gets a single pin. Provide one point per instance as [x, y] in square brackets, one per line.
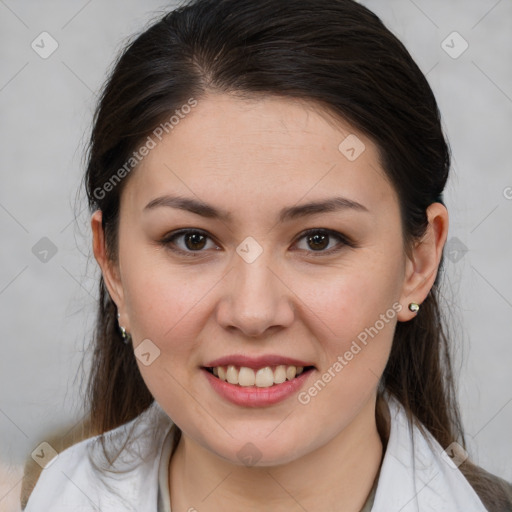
[46, 105]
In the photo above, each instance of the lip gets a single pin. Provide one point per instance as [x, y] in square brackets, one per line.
[253, 396]
[256, 362]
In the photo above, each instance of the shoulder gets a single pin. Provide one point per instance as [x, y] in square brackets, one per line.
[119, 473]
[418, 474]
[68, 469]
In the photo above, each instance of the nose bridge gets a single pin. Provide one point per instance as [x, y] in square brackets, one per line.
[255, 298]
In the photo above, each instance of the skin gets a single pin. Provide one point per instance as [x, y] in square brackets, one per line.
[253, 158]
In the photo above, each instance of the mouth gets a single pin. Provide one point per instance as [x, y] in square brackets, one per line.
[264, 377]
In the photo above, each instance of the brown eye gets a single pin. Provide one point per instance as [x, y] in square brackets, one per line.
[188, 242]
[318, 242]
[323, 241]
[194, 241]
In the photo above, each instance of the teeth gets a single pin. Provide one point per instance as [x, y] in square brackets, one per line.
[291, 371]
[262, 378]
[280, 374]
[246, 377]
[232, 375]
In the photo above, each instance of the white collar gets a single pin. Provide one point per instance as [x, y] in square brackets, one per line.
[414, 476]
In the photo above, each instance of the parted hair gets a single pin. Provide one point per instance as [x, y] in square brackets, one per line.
[339, 55]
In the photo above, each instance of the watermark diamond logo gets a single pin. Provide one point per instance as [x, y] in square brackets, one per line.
[44, 250]
[454, 455]
[44, 45]
[146, 352]
[455, 249]
[249, 454]
[454, 45]
[351, 147]
[44, 454]
[249, 249]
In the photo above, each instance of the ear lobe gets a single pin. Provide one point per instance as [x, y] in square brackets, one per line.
[109, 270]
[423, 264]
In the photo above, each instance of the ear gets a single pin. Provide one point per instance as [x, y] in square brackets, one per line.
[422, 265]
[109, 270]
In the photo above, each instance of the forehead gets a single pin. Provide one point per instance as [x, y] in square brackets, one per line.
[232, 149]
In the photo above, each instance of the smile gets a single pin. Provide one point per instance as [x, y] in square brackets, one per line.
[262, 378]
[257, 387]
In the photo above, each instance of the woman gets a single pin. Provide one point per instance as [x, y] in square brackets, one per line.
[265, 181]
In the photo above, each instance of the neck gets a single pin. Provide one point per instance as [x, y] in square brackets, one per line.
[337, 476]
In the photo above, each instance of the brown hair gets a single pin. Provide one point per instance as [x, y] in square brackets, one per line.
[337, 54]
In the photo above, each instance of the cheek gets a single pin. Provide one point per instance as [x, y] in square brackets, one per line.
[159, 294]
[346, 300]
[165, 304]
[352, 312]
[353, 318]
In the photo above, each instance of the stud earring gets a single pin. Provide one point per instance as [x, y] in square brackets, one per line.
[126, 337]
[414, 307]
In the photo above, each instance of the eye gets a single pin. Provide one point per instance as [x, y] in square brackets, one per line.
[318, 240]
[192, 240]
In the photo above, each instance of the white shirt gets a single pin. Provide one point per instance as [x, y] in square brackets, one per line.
[414, 477]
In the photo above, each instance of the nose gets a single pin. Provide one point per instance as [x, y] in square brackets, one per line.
[255, 298]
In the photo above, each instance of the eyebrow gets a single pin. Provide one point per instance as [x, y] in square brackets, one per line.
[332, 204]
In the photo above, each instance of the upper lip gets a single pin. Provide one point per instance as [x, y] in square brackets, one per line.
[256, 362]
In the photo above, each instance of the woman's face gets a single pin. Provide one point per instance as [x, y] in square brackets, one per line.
[247, 281]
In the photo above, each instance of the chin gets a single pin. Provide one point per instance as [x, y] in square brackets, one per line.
[258, 450]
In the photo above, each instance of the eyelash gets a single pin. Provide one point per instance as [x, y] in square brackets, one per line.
[168, 241]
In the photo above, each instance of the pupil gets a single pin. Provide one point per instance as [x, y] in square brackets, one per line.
[319, 239]
[194, 239]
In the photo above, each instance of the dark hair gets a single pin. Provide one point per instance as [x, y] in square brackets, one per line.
[337, 54]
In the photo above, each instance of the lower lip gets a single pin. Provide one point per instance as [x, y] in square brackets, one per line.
[254, 396]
